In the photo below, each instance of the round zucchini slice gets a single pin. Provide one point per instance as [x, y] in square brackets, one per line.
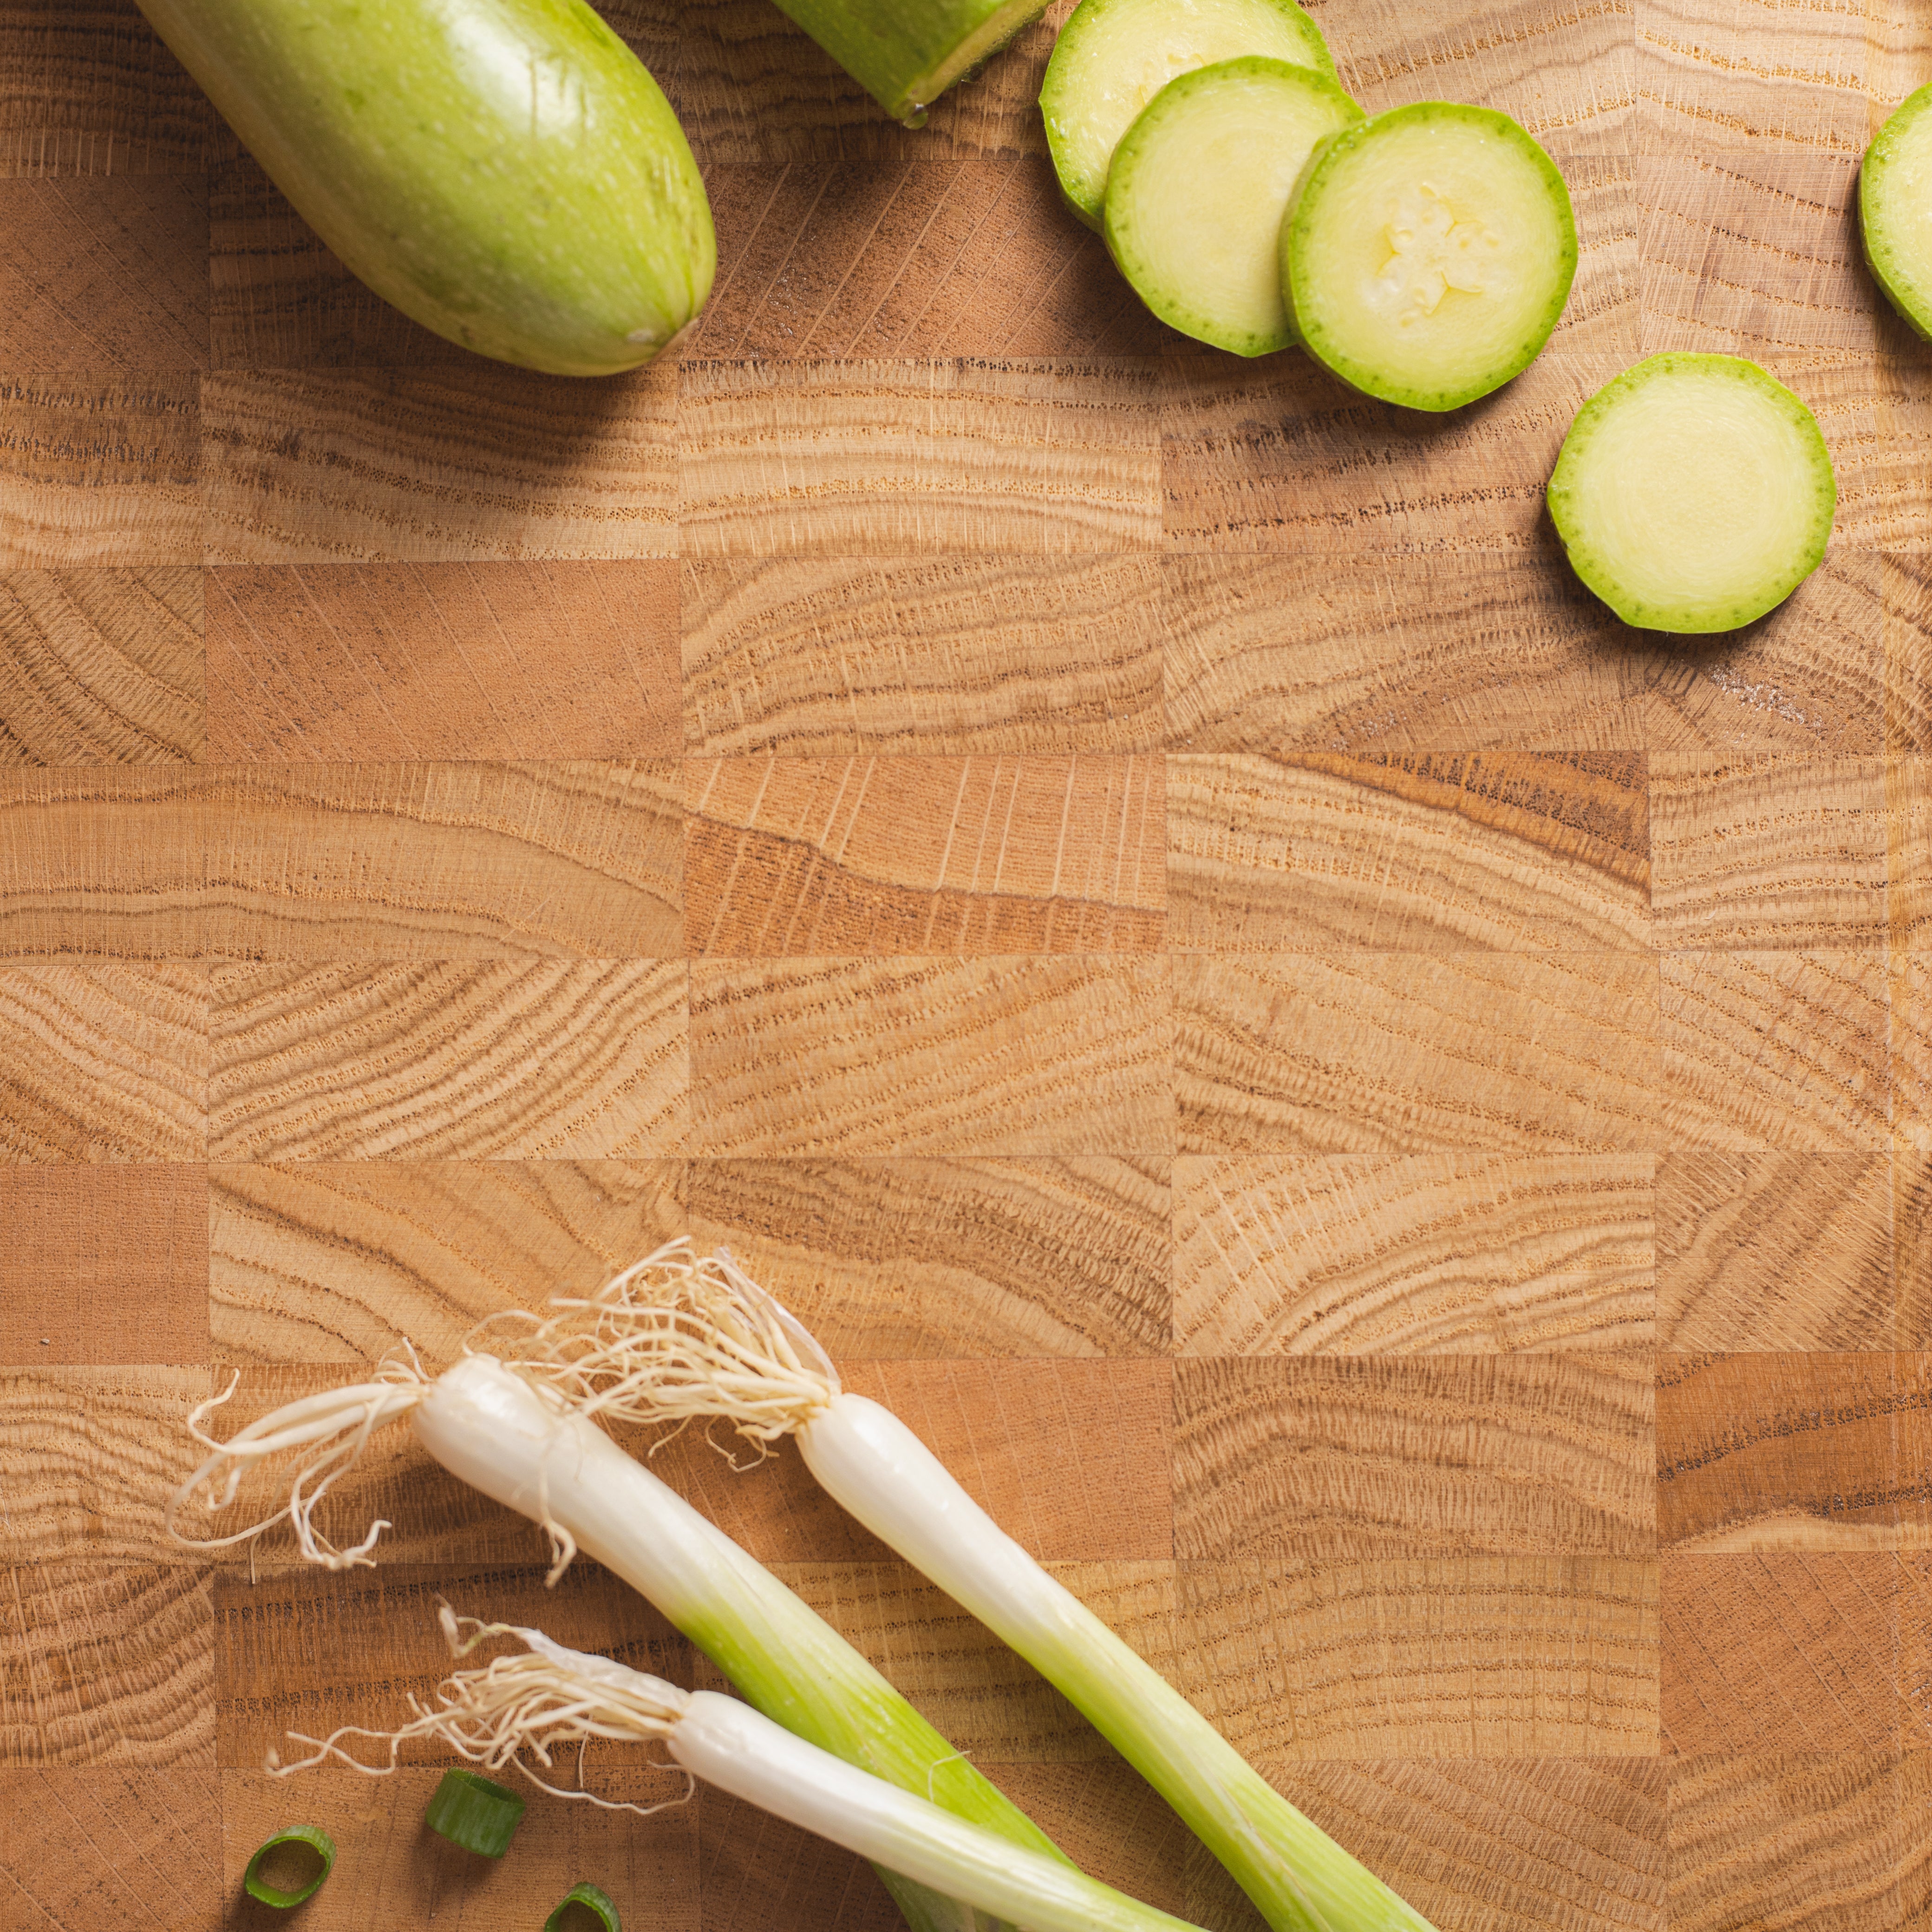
[1113, 56]
[1694, 493]
[1196, 193]
[1895, 210]
[1428, 254]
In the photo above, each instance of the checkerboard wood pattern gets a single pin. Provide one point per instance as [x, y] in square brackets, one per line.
[1381, 1122]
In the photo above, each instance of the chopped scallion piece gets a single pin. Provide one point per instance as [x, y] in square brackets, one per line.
[317, 1839]
[592, 1900]
[476, 1813]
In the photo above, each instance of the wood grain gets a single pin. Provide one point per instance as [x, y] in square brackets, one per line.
[1320, 853]
[78, 1242]
[815, 657]
[1774, 1049]
[1776, 1452]
[971, 1056]
[100, 667]
[109, 1845]
[547, 1058]
[113, 1665]
[103, 1061]
[1906, 630]
[1909, 853]
[1379, 1460]
[354, 662]
[323, 1262]
[100, 469]
[91, 1455]
[1782, 1650]
[875, 457]
[1441, 1657]
[917, 257]
[1423, 1254]
[1775, 1252]
[930, 855]
[1771, 1840]
[465, 461]
[935, 1258]
[1759, 852]
[1364, 1052]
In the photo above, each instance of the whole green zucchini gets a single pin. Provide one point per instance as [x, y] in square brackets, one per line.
[504, 171]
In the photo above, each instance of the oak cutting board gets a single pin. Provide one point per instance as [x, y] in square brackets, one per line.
[1382, 1122]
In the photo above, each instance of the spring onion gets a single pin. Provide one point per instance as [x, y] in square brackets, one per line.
[316, 1840]
[519, 1442]
[546, 1698]
[686, 1340]
[597, 1903]
[477, 1813]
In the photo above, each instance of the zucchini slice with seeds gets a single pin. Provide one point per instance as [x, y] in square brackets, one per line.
[1895, 210]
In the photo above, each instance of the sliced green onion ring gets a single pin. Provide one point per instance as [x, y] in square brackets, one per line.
[317, 1840]
[475, 1812]
[592, 1900]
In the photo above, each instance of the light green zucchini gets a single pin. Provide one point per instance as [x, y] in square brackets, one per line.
[504, 172]
[1895, 210]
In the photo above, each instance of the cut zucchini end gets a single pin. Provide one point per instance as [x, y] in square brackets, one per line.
[1895, 210]
[1428, 254]
[1113, 56]
[1694, 493]
[972, 53]
[1196, 193]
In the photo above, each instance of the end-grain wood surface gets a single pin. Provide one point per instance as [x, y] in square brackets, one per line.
[1380, 1120]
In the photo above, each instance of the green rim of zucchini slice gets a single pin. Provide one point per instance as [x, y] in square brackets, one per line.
[1197, 191]
[1113, 56]
[1694, 493]
[1428, 253]
[1895, 210]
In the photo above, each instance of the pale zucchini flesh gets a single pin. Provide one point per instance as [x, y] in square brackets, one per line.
[1694, 493]
[1428, 253]
[1197, 190]
[1113, 56]
[1895, 210]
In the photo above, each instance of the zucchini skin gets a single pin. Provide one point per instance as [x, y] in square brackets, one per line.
[1871, 169]
[504, 172]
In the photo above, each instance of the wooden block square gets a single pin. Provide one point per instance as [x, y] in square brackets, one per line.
[103, 1061]
[101, 470]
[808, 657]
[101, 667]
[323, 1262]
[350, 662]
[821, 458]
[1765, 1252]
[437, 862]
[107, 1664]
[1025, 1056]
[531, 1058]
[1478, 1657]
[1324, 852]
[92, 1456]
[1911, 1236]
[882, 856]
[1767, 851]
[103, 1265]
[1784, 1452]
[1400, 1053]
[1761, 1840]
[1447, 1254]
[91, 90]
[467, 461]
[1775, 1049]
[113, 1845]
[106, 275]
[1809, 680]
[1791, 1649]
[903, 1257]
[1368, 1460]
[1333, 653]
[1907, 630]
[1908, 810]
[914, 257]
[277, 298]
